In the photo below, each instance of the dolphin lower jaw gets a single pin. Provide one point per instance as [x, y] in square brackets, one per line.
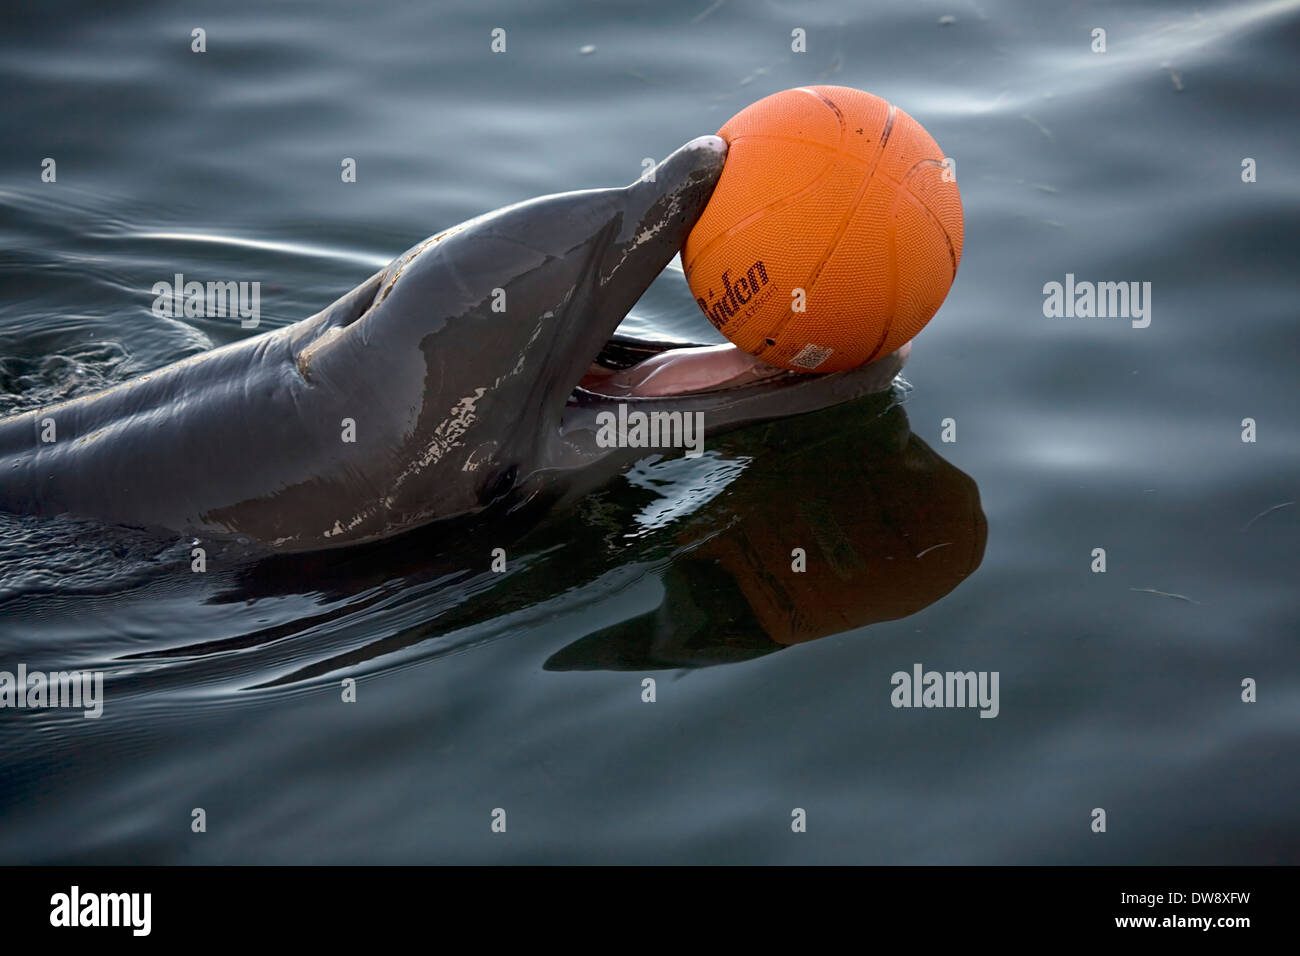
[722, 403]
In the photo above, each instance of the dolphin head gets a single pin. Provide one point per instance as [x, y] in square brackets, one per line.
[484, 356]
[464, 356]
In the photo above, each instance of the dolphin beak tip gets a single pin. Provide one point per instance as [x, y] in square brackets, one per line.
[711, 143]
[709, 152]
[700, 160]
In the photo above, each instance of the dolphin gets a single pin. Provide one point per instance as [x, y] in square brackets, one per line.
[475, 374]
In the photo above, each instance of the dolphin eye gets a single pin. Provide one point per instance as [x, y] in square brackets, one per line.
[500, 484]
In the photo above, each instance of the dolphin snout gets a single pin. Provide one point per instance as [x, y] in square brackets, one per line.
[694, 167]
[707, 153]
[656, 214]
[678, 189]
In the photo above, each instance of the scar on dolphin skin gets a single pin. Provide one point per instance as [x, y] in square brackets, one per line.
[411, 257]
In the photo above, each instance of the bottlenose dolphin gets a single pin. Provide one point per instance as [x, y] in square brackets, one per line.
[468, 376]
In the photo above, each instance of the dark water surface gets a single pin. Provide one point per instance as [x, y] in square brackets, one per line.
[1118, 690]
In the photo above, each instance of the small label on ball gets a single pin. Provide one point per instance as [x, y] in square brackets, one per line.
[810, 356]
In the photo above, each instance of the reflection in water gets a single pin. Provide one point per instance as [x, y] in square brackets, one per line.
[885, 528]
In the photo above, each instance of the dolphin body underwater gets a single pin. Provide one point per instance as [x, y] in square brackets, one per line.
[455, 406]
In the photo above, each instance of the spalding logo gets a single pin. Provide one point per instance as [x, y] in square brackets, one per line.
[734, 296]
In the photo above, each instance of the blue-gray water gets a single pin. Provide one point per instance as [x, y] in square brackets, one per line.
[1119, 690]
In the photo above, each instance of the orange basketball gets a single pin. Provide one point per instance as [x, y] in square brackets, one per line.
[834, 232]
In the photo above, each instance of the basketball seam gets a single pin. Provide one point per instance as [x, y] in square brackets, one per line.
[952, 252]
[835, 151]
[893, 265]
[892, 247]
[776, 137]
[843, 226]
[835, 109]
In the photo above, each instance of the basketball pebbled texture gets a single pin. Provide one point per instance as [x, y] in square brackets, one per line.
[836, 192]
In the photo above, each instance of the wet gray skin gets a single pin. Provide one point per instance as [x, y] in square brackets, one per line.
[458, 407]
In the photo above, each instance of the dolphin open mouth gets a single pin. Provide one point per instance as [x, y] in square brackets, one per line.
[632, 368]
[636, 368]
